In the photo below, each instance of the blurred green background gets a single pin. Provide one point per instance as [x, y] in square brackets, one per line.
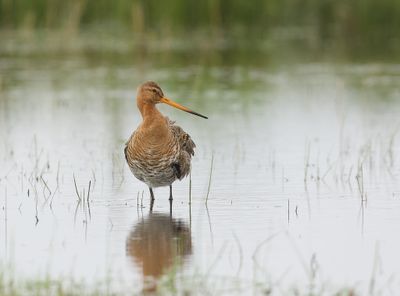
[356, 24]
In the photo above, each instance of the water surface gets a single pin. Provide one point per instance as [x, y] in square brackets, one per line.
[304, 192]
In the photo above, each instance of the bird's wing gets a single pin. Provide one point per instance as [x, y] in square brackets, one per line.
[185, 141]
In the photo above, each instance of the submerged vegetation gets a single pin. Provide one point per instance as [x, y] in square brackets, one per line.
[171, 283]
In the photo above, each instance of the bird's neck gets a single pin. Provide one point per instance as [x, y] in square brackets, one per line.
[149, 111]
[154, 125]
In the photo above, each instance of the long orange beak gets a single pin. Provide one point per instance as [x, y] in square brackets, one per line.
[178, 106]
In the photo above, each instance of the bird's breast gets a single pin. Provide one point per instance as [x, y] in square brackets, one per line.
[147, 154]
[153, 167]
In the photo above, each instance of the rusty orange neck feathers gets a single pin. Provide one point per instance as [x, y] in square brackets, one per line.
[148, 110]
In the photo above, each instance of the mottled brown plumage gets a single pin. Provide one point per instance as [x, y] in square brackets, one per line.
[158, 152]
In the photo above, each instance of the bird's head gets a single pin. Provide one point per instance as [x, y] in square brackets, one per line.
[151, 93]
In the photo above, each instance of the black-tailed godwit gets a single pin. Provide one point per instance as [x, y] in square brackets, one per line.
[158, 152]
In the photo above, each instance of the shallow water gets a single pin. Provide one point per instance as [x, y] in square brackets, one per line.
[304, 191]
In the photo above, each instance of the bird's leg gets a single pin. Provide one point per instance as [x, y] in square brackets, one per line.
[151, 199]
[151, 193]
[170, 192]
[170, 200]
[151, 205]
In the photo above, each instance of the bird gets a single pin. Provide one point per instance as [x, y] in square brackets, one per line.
[158, 152]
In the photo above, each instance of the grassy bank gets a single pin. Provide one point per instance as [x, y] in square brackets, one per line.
[356, 21]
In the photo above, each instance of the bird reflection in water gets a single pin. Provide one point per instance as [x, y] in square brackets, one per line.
[157, 244]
